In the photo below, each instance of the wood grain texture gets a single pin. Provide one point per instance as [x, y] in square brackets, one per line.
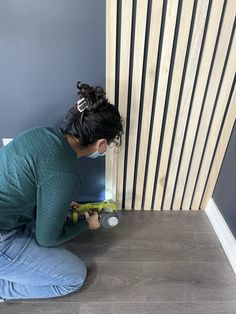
[211, 93]
[125, 43]
[111, 161]
[221, 148]
[141, 15]
[217, 120]
[121, 308]
[204, 68]
[153, 262]
[154, 38]
[171, 61]
[181, 49]
[197, 35]
[171, 14]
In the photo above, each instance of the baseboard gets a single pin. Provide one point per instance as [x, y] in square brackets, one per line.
[223, 232]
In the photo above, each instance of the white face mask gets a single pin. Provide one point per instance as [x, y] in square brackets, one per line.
[96, 154]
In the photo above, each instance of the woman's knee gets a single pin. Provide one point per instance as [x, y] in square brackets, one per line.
[79, 274]
[83, 274]
[73, 286]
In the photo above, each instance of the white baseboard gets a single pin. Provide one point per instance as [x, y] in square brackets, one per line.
[223, 232]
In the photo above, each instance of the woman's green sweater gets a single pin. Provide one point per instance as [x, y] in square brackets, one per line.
[38, 179]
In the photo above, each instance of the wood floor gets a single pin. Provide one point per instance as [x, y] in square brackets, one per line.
[152, 263]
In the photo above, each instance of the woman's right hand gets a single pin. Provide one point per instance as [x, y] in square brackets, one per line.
[94, 222]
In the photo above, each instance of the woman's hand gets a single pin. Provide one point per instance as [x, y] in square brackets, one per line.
[94, 222]
[74, 204]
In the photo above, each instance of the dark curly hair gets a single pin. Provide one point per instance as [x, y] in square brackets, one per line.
[99, 119]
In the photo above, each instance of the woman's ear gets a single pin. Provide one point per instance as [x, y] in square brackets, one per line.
[102, 141]
[102, 145]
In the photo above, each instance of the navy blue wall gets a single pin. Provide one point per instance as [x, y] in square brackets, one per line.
[224, 194]
[47, 46]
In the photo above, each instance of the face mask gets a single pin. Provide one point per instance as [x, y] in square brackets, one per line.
[96, 154]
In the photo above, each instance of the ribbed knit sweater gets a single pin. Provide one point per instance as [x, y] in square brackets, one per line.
[38, 179]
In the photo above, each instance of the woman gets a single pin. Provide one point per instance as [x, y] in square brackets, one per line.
[38, 178]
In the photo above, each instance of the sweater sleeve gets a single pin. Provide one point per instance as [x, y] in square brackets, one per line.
[53, 200]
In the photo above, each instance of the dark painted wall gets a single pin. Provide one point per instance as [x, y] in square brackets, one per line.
[225, 191]
[47, 46]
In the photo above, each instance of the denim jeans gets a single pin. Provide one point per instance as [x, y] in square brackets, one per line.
[29, 271]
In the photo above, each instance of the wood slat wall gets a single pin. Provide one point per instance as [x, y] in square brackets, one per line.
[170, 70]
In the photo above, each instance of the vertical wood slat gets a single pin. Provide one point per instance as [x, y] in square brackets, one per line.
[111, 162]
[164, 166]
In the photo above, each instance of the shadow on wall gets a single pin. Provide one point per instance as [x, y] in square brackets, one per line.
[92, 179]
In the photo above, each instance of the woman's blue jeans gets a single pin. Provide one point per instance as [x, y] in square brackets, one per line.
[29, 271]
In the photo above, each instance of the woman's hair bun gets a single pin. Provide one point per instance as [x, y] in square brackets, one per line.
[94, 96]
[93, 118]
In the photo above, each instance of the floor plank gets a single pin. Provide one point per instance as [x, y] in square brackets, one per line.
[145, 246]
[120, 308]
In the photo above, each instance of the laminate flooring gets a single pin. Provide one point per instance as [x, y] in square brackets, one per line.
[151, 263]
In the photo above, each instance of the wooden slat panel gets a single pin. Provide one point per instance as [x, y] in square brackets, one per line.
[221, 149]
[111, 164]
[209, 102]
[210, 41]
[181, 49]
[171, 13]
[155, 25]
[186, 97]
[215, 127]
[164, 152]
[126, 21]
